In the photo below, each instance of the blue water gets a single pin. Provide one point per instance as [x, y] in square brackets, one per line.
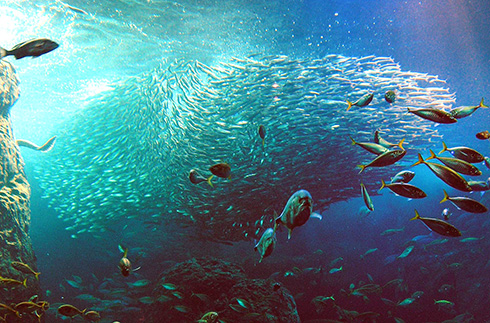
[120, 39]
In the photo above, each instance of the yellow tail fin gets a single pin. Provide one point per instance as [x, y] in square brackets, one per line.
[353, 141]
[482, 105]
[444, 148]
[401, 143]
[349, 105]
[421, 160]
[362, 167]
[383, 185]
[432, 155]
[417, 216]
[37, 275]
[24, 282]
[446, 197]
[209, 180]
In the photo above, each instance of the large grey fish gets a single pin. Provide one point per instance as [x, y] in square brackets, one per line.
[465, 203]
[266, 244]
[297, 211]
[34, 48]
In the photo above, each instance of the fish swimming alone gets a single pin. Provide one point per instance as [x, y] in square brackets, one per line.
[262, 133]
[435, 115]
[362, 102]
[297, 211]
[438, 226]
[461, 112]
[125, 264]
[33, 48]
[465, 203]
[447, 175]
[483, 135]
[366, 198]
[467, 154]
[266, 244]
[390, 96]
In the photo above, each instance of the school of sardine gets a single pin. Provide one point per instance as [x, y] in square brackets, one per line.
[129, 151]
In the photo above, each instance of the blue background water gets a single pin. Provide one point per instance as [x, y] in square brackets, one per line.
[120, 39]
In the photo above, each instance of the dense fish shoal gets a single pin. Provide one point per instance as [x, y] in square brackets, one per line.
[131, 149]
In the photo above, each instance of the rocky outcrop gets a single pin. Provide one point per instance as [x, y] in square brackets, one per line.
[190, 289]
[15, 214]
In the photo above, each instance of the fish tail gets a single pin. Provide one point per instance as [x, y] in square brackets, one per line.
[432, 155]
[209, 180]
[446, 197]
[444, 148]
[3, 52]
[383, 185]
[37, 275]
[421, 160]
[263, 142]
[400, 144]
[24, 282]
[125, 253]
[349, 105]
[362, 167]
[482, 105]
[417, 216]
[48, 145]
[353, 141]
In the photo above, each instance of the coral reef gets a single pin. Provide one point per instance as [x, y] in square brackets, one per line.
[15, 214]
[190, 289]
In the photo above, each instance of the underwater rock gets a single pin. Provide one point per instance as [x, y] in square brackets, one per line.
[192, 288]
[15, 213]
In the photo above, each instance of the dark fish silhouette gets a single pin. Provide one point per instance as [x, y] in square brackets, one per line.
[33, 48]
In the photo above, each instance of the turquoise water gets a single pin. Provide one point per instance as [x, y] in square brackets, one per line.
[121, 94]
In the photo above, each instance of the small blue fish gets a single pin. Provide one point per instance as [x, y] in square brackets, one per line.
[335, 270]
[406, 252]
[73, 284]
